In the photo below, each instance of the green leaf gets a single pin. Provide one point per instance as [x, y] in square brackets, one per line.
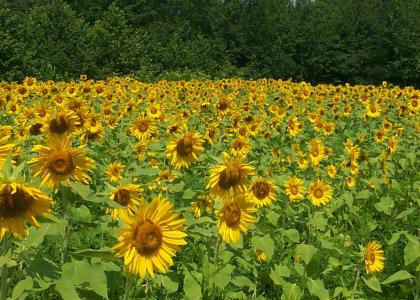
[411, 252]
[348, 199]
[22, 286]
[192, 285]
[364, 194]
[170, 282]
[222, 277]
[66, 290]
[241, 281]
[306, 251]
[291, 292]
[188, 194]
[318, 221]
[385, 205]
[81, 213]
[148, 171]
[373, 283]
[395, 237]
[278, 273]
[36, 235]
[104, 253]
[176, 188]
[292, 235]
[316, 287]
[398, 276]
[265, 244]
[272, 217]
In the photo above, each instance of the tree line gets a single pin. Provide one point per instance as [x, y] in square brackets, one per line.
[317, 41]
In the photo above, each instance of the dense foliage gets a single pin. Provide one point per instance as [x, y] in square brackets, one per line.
[318, 41]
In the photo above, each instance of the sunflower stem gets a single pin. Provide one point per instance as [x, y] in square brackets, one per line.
[355, 284]
[215, 260]
[67, 228]
[4, 270]
[128, 286]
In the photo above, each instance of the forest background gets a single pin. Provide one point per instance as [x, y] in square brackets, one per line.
[318, 41]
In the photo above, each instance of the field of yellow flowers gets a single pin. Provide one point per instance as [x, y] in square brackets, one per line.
[227, 189]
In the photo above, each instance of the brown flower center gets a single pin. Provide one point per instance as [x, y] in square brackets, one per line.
[223, 104]
[14, 205]
[35, 129]
[143, 125]
[230, 177]
[370, 258]
[122, 197]
[261, 190]
[59, 125]
[148, 238]
[232, 214]
[237, 145]
[61, 162]
[318, 193]
[184, 147]
[294, 190]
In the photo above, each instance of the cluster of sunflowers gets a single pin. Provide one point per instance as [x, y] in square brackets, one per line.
[259, 142]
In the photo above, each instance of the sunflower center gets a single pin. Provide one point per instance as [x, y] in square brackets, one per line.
[229, 177]
[35, 129]
[294, 190]
[237, 145]
[143, 125]
[122, 197]
[184, 147]
[59, 125]
[414, 103]
[61, 163]
[318, 193]
[260, 190]
[223, 104]
[148, 238]
[14, 205]
[370, 258]
[373, 109]
[153, 110]
[232, 214]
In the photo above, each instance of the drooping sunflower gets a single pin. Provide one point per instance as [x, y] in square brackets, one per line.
[234, 217]
[114, 171]
[184, 150]
[320, 193]
[294, 126]
[59, 161]
[373, 257]
[142, 128]
[203, 202]
[294, 189]
[19, 201]
[231, 177]
[262, 192]
[151, 238]
[128, 196]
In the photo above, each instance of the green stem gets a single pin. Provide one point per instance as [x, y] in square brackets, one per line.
[215, 260]
[4, 270]
[128, 286]
[355, 284]
[67, 228]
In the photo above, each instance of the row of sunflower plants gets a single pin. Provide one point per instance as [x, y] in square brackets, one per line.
[227, 189]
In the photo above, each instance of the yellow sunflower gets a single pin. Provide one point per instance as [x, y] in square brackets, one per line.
[128, 196]
[320, 193]
[231, 177]
[294, 189]
[316, 152]
[240, 147]
[114, 171]
[234, 217]
[204, 202]
[183, 151]
[63, 122]
[373, 257]
[262, 192]
[142, 128]
[19, 201]
[294, 126]
[331, 171]
[59, 161]
[151, 239]
[2, 232]
[5, 149]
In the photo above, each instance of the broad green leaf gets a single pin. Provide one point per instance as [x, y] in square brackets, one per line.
[291, 291]
[348, 199]
[66, 290]
[192, 285]
[104, 253]
[395, 237]
[316, 287]
[22, 286]
[306, 252]
[373, 283]
[272, 217]
[278, 273]
[385, 205]
[264, 243]
[169, 281]
[411, 252]
[292, 235]
[188, 194]
[176, 188]
[36, 235]
[222, 277]
[241, 281]
[318, 221]
[364, 194]
[398, 276]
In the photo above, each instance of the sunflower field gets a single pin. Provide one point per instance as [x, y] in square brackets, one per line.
[229, 189]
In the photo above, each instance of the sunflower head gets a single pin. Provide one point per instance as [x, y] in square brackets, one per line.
[294, 189]
[373, 257]
[184, 150]
[320, 193]
[262, 192]
[128, 197]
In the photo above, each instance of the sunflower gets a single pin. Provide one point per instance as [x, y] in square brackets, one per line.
[350, 181]
[231, 177]
[114, 171]
[151, 238]
[373, 110]
[233, 218]
[261, 256]
[2, 232]
[128, 196]
[59, 161]
[373, 257]
[183, 151]
[142, 128]
[320, 193]
[63, 122]
[19, 201]
[316, 152]
[262, 192]
[240, 147]
[393, 144]
[294, 126]
[5, 149]
[294, 189]
[379, 136]
[331, 171]
[204, 202]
